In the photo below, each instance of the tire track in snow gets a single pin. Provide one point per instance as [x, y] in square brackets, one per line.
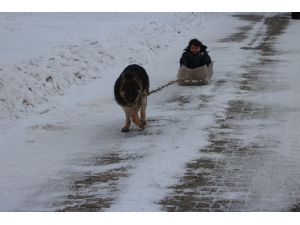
[221, 179]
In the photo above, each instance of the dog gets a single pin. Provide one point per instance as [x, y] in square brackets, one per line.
[131, 90]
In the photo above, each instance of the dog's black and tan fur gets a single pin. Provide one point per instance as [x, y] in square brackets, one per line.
[131, 91]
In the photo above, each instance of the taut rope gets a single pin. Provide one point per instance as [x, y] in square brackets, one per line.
[162, 87]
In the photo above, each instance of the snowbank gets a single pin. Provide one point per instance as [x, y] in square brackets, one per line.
[85, 45]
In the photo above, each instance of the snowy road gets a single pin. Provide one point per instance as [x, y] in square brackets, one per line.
[228, 146]
[251, 161]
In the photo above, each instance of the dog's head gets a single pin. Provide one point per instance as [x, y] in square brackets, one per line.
[131, 87]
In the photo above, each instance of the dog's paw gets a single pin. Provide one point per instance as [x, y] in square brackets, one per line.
[142, 126]
[125, 129]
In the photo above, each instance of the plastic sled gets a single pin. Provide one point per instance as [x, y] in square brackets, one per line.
[198, 76]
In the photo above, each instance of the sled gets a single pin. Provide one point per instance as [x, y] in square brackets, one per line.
[198, 76]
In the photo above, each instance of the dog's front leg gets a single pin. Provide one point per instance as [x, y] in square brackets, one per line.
[128, 122]
[135, 118]
[143, 111]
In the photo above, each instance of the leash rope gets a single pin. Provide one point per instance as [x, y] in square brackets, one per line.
[162, 87]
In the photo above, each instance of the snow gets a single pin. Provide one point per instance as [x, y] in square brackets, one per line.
[279, 177]
[58, 112]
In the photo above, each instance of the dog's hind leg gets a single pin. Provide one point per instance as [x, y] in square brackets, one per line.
[135, 118]
[143, 111]
[128, 122]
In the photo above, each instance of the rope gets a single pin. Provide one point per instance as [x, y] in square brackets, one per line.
[162, 87]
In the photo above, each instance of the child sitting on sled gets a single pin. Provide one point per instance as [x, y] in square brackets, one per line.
[195, 55]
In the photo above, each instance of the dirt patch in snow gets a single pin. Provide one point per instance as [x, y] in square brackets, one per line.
[93, 191]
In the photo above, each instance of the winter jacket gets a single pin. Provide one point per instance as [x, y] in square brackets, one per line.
[192, 61]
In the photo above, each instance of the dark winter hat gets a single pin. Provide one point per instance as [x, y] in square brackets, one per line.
[196, 42]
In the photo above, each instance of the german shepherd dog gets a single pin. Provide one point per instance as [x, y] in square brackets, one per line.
[131, 91]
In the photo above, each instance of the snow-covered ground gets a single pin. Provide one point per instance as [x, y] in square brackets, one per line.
[61, 145]
[276, 186]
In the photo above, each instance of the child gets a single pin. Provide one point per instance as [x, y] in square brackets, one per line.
[195, 55]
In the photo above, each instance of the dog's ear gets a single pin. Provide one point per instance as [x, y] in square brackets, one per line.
[122, 76]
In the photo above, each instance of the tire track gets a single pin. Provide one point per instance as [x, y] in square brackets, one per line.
[220, 179]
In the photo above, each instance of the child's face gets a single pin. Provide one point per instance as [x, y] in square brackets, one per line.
[195, 49]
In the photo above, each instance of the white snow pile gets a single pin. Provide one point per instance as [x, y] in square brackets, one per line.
[30, 82]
